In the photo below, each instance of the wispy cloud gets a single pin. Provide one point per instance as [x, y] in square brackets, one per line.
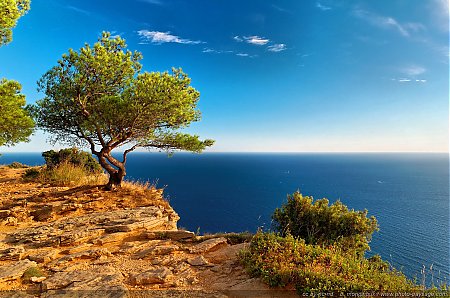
[413, 70]
[213, 51]
[154, 2]
[279, 47]
[322, 7]
[164, 37]
[254, 39]
[405, 29]
[407, 80]
[79, 10]
[281, 9]
[246, 55]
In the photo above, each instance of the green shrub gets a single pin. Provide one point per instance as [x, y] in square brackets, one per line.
[72, 156]
[31, 174]
[282, 261]
[320, 223]
[32, 272]
[17, 165]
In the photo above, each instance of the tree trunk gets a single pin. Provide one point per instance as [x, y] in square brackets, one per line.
[117, 174]
[115, 180]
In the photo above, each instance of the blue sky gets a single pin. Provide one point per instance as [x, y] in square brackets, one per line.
[288, 76]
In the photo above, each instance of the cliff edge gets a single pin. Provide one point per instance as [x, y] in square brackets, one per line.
[83, 241]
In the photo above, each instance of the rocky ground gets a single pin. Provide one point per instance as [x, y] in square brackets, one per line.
[85, 242]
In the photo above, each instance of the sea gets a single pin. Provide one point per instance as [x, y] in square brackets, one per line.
[408, 193]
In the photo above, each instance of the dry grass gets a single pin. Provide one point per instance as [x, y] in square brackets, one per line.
[67, 174]
[138, 187]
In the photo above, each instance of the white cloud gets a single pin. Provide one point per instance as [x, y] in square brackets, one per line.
[165, 37]
[413, 70]
[277, 47]
[254, 39]
[322, 7]
[405, 29]
[246, 55]
[408, 80]
[213, 51]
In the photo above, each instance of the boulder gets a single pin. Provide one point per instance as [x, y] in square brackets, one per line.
[12, 253]
[153, 276]
[208, 245]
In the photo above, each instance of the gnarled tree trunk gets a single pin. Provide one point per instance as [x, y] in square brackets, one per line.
[115, 169]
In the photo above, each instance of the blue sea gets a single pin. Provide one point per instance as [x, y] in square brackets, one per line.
[234, 192]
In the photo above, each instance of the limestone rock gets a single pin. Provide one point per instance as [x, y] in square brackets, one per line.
[15, 270]
[173, 235]
[225, 253]
[162, 249]
[199, 261]
[92, 280]
[43, 256]
[154, 276]
[12, 253]
[208, 245]
[37, 279]
[81, 229]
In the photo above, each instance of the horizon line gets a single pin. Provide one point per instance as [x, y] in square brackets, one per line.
[287, 152]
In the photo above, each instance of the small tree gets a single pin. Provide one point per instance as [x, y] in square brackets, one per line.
[16, 124]
[10, 12]
[98, 96]
[320, 223]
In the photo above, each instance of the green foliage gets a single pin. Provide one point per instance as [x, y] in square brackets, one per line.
[31, 174]
[32, 272]
[15, 123]
[73, 156]
[10, 12]
[320, 223]
[98, 97]
[282, 261]
[17, 165]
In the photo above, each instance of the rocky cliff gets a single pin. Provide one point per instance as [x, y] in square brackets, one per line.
[85, 242]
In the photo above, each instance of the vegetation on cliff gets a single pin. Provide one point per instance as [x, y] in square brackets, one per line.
[319, 248]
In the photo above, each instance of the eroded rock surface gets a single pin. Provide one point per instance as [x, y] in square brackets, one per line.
[92, 243]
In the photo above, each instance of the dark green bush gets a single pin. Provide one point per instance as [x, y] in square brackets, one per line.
[282, 261]
[31, 174]
[17, 165]
[320, 223]
[72, 156]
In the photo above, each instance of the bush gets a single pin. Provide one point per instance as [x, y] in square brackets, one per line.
[17, 165]
[67, 174]
[320, 223]
[31, 174]
[71, 156]
[283, 261]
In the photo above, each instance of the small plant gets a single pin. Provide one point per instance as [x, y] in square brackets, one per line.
[17, 165]
[31, 174]
[32, 272]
